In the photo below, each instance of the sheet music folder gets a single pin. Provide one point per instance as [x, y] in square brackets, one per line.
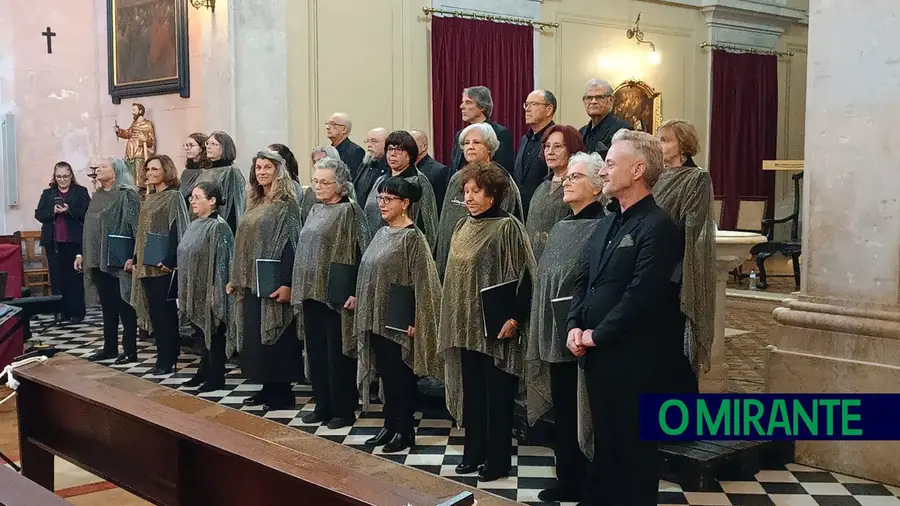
[561, 307]
[268, 277]
[401, 308]
[341, 283]
[156, 248]
[120, 249]
[497, 305]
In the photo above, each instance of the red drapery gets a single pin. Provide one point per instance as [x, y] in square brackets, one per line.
[743, 128]
[468, 52]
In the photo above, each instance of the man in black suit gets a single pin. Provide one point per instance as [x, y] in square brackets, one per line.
[338, 128]
[598, 104]
[476, 107]
[437, 173]
[625, 320]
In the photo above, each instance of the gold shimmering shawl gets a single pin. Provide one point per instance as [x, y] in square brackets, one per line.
[423, 213]
[686, 193]
[546, 209]
[263, 233]
[234, 189]
[397, 256]
[484, 252]
[454, 210]
[332, 233]
[111, 212]
[159, 211]
[204, 260]
[309, 200]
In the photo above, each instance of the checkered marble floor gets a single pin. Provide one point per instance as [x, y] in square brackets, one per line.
[439, 445]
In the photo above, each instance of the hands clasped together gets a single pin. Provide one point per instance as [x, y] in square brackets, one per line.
[579, 341]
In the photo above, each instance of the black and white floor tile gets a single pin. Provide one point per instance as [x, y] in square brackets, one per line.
[439, 444]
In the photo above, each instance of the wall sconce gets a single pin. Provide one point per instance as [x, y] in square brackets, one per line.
[209, 4]
[635, 33]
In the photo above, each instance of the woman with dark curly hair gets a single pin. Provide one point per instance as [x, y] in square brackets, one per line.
[481, 372]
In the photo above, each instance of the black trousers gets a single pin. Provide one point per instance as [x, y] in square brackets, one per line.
[333, 373]
[571, 464]
[212, 360]
[115, 308]
[399, 385]
[489, 395]
[625, 470]
[64, 279]
[164, 317]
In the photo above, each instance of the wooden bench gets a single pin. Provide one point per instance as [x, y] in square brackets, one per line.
[173, 449]
[16, 490]
[697, 465]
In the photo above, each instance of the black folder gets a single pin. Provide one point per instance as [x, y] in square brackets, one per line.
[268, 277]
[172, 293]
[561, 307]
[401, 308]
[156, 249]
[341, 283]
[498, 304]
[120, 250]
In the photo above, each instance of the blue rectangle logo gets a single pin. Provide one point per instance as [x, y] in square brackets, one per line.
[860, 417]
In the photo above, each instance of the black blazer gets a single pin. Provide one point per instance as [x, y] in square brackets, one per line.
[627, 293]
[599, 138]
[438, 175]
[78, 200]
[351, 154]
[505, 155]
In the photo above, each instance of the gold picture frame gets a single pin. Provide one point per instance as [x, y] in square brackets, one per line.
[639, 104]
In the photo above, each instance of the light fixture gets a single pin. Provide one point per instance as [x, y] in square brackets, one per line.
[653, 58]
[635, 33]
[209, 4]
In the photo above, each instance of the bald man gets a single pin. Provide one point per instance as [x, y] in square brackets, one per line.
[438, 174]
[373, 165]
[338, 128]
[598, 102]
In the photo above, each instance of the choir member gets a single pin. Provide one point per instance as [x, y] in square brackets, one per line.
[398, 255]
[204, 261]
[113, 210]
[599, 98]
[552, 370]
[373, 165]
[401, 152]
[61, 211]
[337, 129]
[685, 191]
[293, 168]
[222, 153]
[476, 108]
[264, 322]
[163, 213]
[531, 169]
[478, 143]
[335, 232]
[197, 162]
[482, 372]
[437, 173]
[309, 196]
[547, 206]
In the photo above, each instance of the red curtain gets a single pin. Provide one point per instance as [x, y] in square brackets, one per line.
[743, 129]
[467, 52]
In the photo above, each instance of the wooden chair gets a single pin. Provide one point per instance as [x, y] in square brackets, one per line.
[718, 206]
[791, 248]
[751, 214]
[36, 275]
[14, 238]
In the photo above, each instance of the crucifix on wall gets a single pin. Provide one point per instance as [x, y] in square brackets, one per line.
[49, 34]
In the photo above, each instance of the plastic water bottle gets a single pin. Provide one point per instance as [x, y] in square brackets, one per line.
[753, 280]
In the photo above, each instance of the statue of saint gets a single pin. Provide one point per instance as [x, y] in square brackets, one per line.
[141, 142]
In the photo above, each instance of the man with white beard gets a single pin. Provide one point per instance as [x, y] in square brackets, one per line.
[373, 164]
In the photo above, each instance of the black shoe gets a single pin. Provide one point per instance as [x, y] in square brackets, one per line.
[485, 474]
[315, 417]
[101, 355]
[211, 386]
[257, 399]
[468, 468]
[279, 402]
[337, 423]
[399, 443]
[559, 493]
[75, 321]
[126, 359]
[196, 381]
[384, 436]
[161, 371]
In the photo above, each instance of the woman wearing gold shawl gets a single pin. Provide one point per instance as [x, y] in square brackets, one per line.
[163, 214]
[552, 370]
[204, 259]
[264, 328]
[221, 153]
[334, 233]
[397, 255]
[489, 247]
[113, 211]
[309, 197]
[547, 207]
[478, 143]
[401, 151]
[685, 191]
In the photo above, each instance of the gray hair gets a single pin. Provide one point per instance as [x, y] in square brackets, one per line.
[599, 83]
[341, 173]
[124, 177]
[328, 150]
[346, 119]
[488, 136]
[593, 163]
[646, 146]
[482, 97]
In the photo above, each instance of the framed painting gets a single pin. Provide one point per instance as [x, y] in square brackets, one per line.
[638, 104]
[148, 48]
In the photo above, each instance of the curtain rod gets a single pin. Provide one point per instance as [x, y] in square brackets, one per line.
[489, 17]
[744, 49]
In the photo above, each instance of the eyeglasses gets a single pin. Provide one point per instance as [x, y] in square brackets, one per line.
[395, 149]
[528, 105]
[62, 176]
[333, 124]
[386, 199]
[190, 145]
[573, 178]
[591, 98]
[319, 182]
[554, 148]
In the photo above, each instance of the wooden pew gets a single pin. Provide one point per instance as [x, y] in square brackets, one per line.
[105, 422]
[16, 490]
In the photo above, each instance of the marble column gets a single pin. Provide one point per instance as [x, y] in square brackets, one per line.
[841, 333]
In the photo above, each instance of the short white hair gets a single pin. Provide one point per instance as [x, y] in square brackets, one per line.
[488, 136]
[328, 150]
[593, 163]
[345, 118]
[645, 146]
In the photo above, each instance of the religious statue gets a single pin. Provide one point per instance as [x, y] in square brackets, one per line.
[141, 142]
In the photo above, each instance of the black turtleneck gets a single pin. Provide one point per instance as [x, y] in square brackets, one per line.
[592, 211]
[689, 162]
[192, 165]
[407, 172]
[493, 212]
[220, 163]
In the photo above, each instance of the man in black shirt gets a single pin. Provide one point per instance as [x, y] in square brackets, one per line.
[337, 129]
[476, 107]
[437, 173]
[530, 168]
[373, 165]
[598, 103]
